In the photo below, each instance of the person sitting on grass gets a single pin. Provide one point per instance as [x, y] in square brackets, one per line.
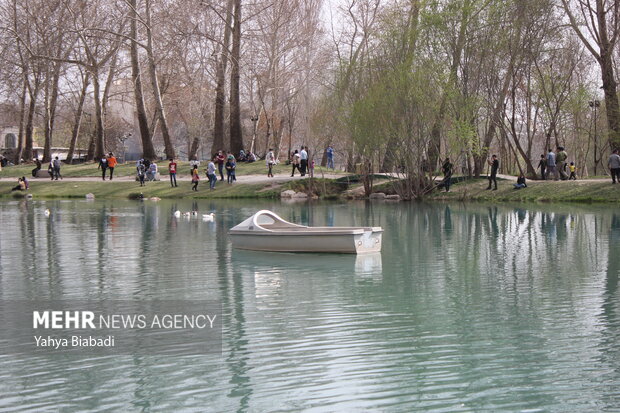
[520, 182]
[572, 168]
[21, 185]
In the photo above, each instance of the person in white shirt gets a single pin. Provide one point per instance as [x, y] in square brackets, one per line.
[211, 173]
[152, 171]
[304, 160]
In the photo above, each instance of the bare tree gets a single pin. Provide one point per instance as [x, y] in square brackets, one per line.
[602, 24]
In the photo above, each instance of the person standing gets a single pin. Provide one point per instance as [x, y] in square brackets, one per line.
[330, 157]
[614, 166]
[560, 162]
[37, 167]
[551, 166]
[494, 163]
[112, 164]
[303, 155]
[140, 172]
[572, 168]
[295, 162]
[103, 165]
[50, 169]
[172, 171]
[56, 164]
[231, 165]
[195, 178]
[447, 174]
[270, 160]
[231, 158]
[211, 173]
[220, 159]
[542, 165]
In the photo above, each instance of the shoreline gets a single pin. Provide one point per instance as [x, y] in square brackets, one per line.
[470, 190]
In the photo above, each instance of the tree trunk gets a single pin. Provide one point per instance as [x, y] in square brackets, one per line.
[75, 132]
[22, 121]
[607, 71]
[33, 93]
[220, 89]
[148, 150]
[159, 104]
[99, 149]
[236, 137]
[51, 99]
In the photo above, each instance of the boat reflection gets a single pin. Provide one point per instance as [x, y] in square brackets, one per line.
[283, 262]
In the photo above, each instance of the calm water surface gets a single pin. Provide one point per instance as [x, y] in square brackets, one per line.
[468, 308]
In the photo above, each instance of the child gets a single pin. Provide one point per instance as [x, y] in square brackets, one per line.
[195, 178]
[572, 169]
[141, 171]
[230, 169]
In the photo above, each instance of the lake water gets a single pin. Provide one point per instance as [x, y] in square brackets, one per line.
[468, 308]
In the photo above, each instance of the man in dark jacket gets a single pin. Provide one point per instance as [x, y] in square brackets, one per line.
[494, 163]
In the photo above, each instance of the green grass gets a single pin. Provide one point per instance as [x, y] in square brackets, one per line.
[547, 191]
[129, 169]
[124, 190]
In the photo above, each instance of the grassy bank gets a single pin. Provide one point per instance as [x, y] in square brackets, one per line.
[125, 190]
[539, 191]
[468, 190]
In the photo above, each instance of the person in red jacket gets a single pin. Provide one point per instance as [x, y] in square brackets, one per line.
[111, 164]
[172, 171]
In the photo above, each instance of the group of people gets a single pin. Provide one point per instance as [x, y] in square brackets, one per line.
[54, 169]
[447, 169]
[552, 163]
[299, 160]
[557, 165]
[223, 161]
[146, 170]
[107, 163]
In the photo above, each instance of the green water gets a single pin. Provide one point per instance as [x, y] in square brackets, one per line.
[467, 308]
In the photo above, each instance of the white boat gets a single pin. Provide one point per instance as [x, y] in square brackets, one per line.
[266, 231]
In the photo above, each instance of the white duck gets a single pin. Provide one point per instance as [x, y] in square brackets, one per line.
[194, 213]
[176, 214]
[47, 212]
[208, 217]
